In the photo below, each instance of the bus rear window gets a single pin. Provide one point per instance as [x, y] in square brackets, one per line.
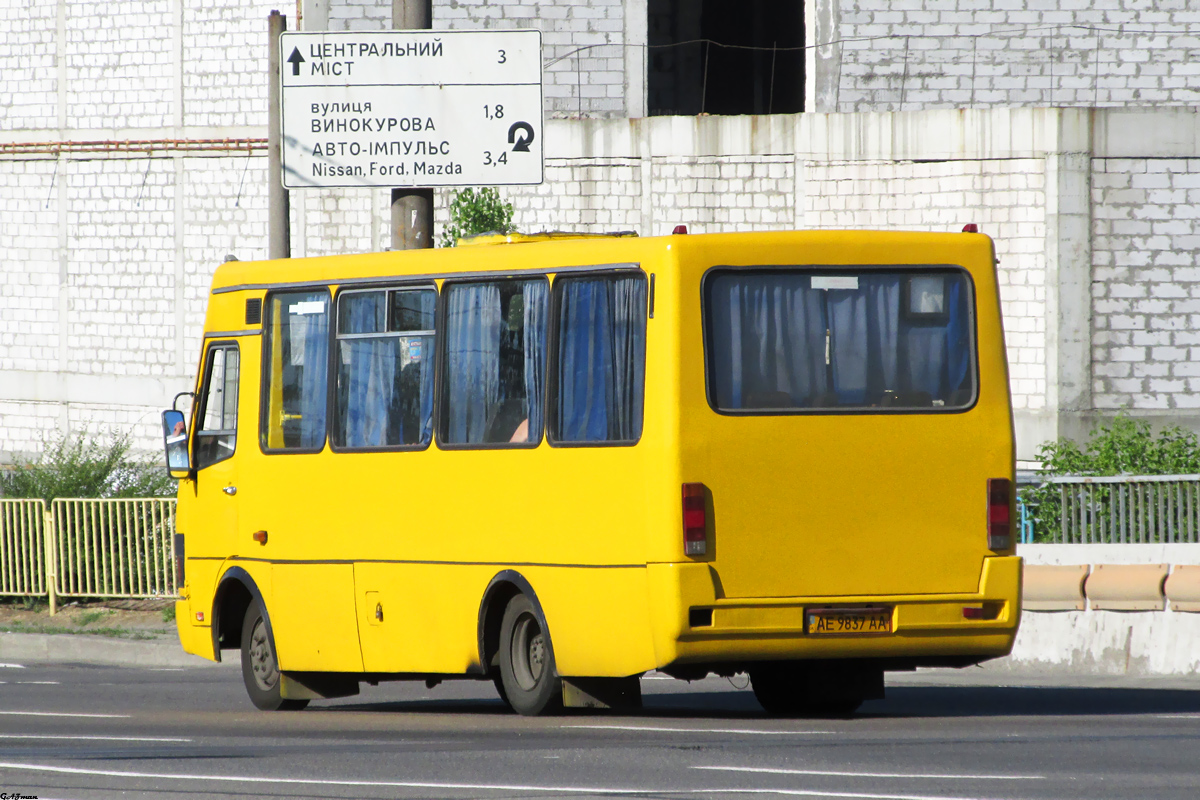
[792, 340]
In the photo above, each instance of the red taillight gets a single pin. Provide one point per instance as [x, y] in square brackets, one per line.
[695, 520]
[970, 227]
[999, 513]
[680, 230]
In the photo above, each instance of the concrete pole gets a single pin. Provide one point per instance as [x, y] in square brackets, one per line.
[412, 209]
[279, 241]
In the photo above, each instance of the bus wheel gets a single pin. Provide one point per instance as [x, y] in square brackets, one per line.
[260, 669]
[530, 680]
[790, 690]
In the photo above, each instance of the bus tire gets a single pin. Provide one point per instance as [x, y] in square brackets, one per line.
[527, 671]
[260, 668]
[795, 690]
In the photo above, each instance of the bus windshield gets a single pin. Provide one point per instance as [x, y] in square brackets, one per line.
[795, 340]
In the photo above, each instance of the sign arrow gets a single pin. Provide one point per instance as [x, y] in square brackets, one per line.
[522, 134]
[295, 59]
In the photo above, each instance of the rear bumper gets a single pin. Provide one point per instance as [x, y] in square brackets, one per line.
[930, 627]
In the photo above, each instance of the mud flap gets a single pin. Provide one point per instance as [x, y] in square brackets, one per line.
[315, 686]
[616, 693]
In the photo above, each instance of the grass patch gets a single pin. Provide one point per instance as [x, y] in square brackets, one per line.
[168, 613]
[88, 617]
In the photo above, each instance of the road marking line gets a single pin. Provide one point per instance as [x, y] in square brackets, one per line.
[495, 787]
[656, 729]
[73, 737]
[1178, 716]
[164, 669]
[12, 666]
[37, 683]
[61, 714]
[844, 774]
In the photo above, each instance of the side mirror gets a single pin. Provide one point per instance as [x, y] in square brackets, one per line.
[175, 439]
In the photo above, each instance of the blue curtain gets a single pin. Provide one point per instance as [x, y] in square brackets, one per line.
[601, 359]
[369, 371]
[535, 355]
[864, 329]
[473, 324]
[314, 381]
[768, 340]
[768, 343]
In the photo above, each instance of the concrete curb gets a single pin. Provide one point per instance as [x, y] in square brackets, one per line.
[65, 648]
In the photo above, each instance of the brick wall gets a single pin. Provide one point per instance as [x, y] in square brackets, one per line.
[1146, 283]
[1022, 53]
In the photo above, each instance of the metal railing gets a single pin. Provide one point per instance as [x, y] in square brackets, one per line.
[23, 548]
[1124, 509]
[88, 548]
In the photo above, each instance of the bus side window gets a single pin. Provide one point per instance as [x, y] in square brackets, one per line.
[295, 373]
[495, 363]
[216, 435]
[384, 368]
[600, 359]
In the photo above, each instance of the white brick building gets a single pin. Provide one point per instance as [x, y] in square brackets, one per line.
[132, 162]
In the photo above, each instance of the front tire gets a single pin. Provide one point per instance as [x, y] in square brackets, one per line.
[260, 668]
[527, 671]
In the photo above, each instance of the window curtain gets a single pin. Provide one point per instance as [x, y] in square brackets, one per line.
[314, 380]
[775, 344]
[473, 323]
[601, 361]
[535, 355]
[864, 328]
[371, 367]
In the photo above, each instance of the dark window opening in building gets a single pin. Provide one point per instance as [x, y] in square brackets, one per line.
[726, 57]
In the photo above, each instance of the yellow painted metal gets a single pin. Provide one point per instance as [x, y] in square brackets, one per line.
[23, 548]
[113, 547]
[809, 509]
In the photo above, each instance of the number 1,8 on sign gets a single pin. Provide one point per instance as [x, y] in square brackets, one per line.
[493, 112]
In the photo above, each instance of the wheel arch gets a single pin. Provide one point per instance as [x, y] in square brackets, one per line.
[235, 592]
[502, 588]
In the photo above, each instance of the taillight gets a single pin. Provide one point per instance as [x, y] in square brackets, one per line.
[999, 513]
[695, 520]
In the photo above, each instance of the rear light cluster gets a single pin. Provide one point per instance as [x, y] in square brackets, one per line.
[999, 513]
[695, 520]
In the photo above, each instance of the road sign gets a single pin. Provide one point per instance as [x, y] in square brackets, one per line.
[411, 108]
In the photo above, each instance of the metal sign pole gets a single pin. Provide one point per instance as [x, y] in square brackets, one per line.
[412, 208]
[279, 241]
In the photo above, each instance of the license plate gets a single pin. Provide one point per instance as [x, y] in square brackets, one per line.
[835, 621]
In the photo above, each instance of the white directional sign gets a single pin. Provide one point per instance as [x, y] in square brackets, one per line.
[411, 108]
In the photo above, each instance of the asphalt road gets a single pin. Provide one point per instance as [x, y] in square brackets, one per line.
[101, 732]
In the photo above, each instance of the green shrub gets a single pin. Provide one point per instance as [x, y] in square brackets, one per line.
[1122, 447]
[474, 211]
[87, 466]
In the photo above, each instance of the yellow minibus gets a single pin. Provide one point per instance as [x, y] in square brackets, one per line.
[558, 462]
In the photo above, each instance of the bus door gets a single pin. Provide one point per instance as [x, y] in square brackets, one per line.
[214, 445]
[291, 497]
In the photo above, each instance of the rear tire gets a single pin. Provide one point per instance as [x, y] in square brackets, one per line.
[796, 689]
[260, 668]
[529, 679]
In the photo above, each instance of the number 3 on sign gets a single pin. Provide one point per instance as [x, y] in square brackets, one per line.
[488, 161]
[502, 59]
